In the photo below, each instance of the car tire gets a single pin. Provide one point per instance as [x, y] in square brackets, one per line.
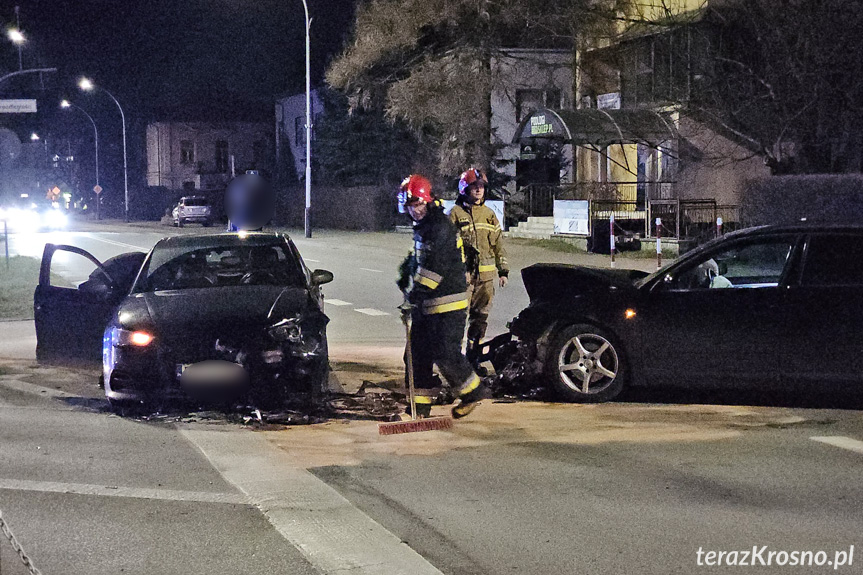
[207, 224]
[180, 223]
[586, 364]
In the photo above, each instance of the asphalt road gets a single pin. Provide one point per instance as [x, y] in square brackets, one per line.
[636, 486]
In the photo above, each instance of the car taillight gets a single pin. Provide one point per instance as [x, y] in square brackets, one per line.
[124, 337]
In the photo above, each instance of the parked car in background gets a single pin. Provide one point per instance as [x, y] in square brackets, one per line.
[773, 307]
[233, 312]
[193, 209]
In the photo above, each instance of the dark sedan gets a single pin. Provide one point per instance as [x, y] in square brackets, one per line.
[778, 307]
[234, 316]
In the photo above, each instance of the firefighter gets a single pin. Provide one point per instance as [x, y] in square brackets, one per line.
[480, 231]
[433, 279]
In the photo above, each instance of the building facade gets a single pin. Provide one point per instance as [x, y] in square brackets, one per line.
[291, 130]
[205, 155]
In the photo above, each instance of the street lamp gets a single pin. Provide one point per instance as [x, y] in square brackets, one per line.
[68, 104]
[17, 37]
[86, 85]
[308, 220]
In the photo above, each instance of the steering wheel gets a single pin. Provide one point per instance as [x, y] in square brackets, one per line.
[259, 277]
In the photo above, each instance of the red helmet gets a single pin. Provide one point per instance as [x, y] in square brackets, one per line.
[415, 188]
[469, 177]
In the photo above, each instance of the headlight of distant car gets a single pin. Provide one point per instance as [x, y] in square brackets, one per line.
[23, 220]
[55, 219]
[287, 330]
[128, 338]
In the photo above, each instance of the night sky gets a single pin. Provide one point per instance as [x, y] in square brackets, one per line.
[163, 60]
[180, 55]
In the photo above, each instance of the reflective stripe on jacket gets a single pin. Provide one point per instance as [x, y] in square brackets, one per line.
[480, 230]
[439, 284]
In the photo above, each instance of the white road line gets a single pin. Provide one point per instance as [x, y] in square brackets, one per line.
[117, 491]
[370, 311]
[121, 244]
[313, 261]
[336, 302]
[371, 270]
[32, 388]
[332, 534]
[843, 442]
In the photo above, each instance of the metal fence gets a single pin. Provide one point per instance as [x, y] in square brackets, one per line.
[635, 206]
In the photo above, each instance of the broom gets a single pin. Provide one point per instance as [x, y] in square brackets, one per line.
[427, 424]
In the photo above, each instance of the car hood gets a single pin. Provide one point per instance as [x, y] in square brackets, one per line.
[559, 281]
[226, 305]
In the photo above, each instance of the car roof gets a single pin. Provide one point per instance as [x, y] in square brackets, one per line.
[226, 239]
[193, 198]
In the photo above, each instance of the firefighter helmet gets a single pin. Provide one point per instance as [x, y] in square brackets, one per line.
[415, 188]
[471, 176]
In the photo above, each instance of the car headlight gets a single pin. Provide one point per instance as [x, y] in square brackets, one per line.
[55, 219]
[287, 330]
[126, 337]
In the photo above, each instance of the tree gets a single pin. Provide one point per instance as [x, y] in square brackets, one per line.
[428, 64]
[785, 77]
[362, 148]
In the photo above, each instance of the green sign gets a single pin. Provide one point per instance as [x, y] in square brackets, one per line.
[539, 127]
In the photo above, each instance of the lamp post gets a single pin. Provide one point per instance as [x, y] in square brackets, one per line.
[86, 85]
[68, 104]
[308, 219]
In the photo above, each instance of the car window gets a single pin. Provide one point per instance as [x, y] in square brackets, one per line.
[834, 260]
[220, 266]
[744, 265]
[196, 202]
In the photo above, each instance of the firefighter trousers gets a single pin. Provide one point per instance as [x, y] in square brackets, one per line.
[480, 294]
[436, 340]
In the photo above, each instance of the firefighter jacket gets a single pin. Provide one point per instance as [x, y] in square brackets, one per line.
[480, 231]
[438, 276]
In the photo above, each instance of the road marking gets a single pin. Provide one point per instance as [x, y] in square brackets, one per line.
[370, 311]
[32, 388]
[371, 270]
[337, 302]
[117, 491]
[843, 442]
[333, 535]
[116, 243]
[313, 261]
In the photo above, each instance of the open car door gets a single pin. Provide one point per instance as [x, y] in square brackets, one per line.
[70, 320]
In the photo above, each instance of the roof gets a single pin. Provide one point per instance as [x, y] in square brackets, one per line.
[595, 127]
[226, 239]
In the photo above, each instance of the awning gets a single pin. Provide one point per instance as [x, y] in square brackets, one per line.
[596, 128]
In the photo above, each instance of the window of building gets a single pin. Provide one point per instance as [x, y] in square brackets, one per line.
[526, 101]
[259, 152]
[187, 152]
[221, 156]
[300, 131]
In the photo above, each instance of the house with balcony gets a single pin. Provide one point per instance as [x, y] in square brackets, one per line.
[637, 153]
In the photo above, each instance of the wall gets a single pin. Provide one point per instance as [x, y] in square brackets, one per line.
[287, 111]
[518, 70]
[163, 151]
[357, 208]
[824, 198]
[712, 166]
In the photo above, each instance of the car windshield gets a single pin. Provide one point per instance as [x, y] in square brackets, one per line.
[172, 267]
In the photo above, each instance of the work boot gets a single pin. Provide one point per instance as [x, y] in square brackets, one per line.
[423, 410]
[468, 402]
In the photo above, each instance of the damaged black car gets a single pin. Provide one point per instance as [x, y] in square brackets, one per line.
[217, 318]
[775, 308]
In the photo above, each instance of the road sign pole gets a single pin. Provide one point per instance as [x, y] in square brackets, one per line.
[97, 189]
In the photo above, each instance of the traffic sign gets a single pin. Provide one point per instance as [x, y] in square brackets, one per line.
[97, 189]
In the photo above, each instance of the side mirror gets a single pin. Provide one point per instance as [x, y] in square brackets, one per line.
[320, 277]
[723, 268]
